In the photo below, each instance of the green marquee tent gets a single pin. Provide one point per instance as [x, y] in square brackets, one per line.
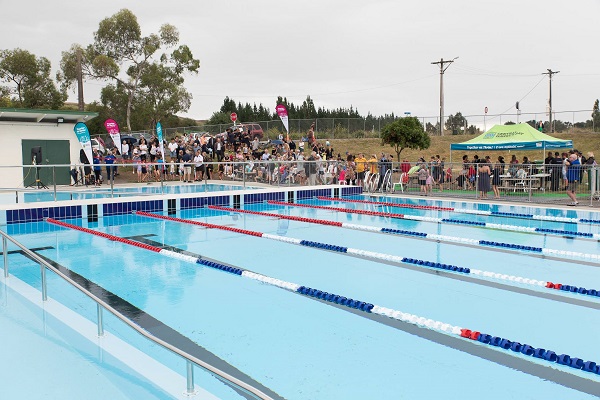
[513, 137]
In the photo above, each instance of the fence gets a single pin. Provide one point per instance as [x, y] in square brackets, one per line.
[537, 183]
[370, 127]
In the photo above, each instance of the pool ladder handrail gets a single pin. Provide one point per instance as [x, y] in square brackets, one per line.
[221, 375]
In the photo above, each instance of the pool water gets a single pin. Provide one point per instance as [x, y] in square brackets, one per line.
[306, 349]
[105, 192]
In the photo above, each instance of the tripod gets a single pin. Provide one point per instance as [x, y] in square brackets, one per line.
[38, 184]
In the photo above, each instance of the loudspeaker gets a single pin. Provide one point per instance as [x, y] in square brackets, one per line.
[36, 154]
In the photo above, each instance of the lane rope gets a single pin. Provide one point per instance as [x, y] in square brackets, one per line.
[483, 275]
[495, 341]
[503, 227]
[423, 235]
[468, 211]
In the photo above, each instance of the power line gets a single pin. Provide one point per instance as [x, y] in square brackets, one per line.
[321, 94]
[521, 99]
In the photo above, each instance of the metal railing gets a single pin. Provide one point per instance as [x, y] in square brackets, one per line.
[541, 183]
[101, 305]
[535, 183]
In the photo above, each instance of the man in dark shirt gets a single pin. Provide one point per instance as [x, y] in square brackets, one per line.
[556, 172]
[109, 160]
[187, 166]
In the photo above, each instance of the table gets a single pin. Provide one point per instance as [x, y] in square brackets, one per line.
[527, 183]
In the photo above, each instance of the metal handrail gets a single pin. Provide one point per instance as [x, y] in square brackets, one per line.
[190, 359]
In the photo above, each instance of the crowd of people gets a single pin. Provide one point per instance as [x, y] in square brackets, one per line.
[559, 172]
[234, 154]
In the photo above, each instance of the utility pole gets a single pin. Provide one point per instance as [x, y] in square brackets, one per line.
[442, 70]
[550, 73]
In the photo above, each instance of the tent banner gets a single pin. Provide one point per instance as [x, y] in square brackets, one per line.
[83, 135]
[283, 114]
[512, 137]
[159, 134]
[115, 134]
[514, 146]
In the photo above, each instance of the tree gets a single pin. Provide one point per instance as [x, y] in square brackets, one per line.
[29, 80]
[405, 133]
[455, 123]
[161, 93]
[432, 129]
[118, 48]
[307, 110]
[472, 129]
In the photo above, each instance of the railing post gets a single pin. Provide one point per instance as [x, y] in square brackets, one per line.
[100, 320]
[54, 180]
[190, 378]
[244, 175]
[44, 289]
[162, 175]
[111, 178]
[5, 256]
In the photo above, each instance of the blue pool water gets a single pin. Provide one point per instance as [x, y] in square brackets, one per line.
[142, 189]
[306, 349]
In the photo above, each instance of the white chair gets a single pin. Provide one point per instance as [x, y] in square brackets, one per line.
[521, 177]
[400, 184]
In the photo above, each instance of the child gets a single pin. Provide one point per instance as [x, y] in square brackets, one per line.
[342, 177]
[429, 183]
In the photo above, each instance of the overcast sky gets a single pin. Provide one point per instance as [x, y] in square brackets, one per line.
[374, 55]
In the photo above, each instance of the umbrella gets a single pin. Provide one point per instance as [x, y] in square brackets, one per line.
[413, 169]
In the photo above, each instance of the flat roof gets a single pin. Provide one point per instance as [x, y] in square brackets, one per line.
[45, 116]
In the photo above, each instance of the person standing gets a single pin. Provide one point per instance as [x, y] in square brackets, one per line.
[422, 176]
[312, 168]
[373, 164]
[173, 149]
[384, 165]
[125, 150]
[483, 182]
[573, 167]
[187, 166]
[199, 166]
[361, 166]
[109, 160]
[97, 169]
[497, 180]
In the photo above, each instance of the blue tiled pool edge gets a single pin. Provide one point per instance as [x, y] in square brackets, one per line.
[97, 208]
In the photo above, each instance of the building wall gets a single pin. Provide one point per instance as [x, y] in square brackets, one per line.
[11, 135]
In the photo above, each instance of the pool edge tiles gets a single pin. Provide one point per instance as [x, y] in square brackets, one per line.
[92, 209]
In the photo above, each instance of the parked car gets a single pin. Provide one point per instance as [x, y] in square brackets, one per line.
[255, 129]
[98, 145]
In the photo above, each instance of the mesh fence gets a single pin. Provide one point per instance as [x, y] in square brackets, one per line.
[370, 127]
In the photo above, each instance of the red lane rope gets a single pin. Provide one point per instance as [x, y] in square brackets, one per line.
[104, 235]
[290, 217]
[363, 212]
[382, 203]
[204, 224]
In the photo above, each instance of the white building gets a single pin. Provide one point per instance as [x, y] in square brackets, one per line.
[21, 130]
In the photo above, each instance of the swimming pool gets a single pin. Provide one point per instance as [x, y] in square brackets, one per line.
[301, 347]
[154, 188]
